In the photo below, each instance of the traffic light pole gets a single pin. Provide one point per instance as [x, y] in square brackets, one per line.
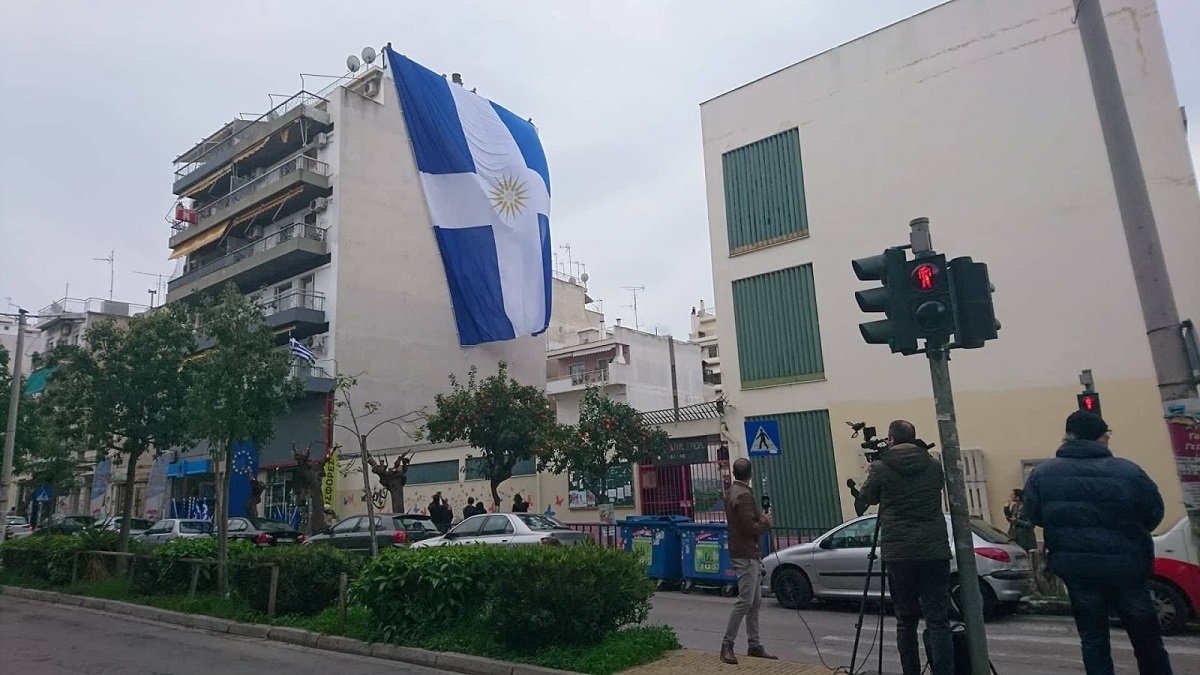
[971, 597]
[1168, 347]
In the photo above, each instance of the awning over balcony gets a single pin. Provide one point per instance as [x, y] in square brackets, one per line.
[203, 239]
[207, 182]
[268, 206]
[588, 351]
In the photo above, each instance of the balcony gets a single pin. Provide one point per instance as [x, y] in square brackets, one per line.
[614, 374]
[258, 142]
[278, 191]
[301, 313]
[316, 379]
[293, 250]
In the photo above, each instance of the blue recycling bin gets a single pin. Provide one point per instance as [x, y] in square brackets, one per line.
[704, 557]
[656, 538]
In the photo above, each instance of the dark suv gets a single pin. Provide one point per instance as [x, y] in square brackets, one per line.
[391, 529]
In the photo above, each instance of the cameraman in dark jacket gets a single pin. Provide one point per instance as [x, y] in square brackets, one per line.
[906, 482]
[1098, 512]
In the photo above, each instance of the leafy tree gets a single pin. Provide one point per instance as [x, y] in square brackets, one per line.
[41, 452]
[238, 387]
[505, 420]
[609, 432]
[122, 393]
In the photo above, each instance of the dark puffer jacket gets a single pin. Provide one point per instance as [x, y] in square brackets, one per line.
[906, 482]
[1098, 512]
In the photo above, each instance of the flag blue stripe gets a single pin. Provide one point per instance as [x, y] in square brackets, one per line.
[524, 133]
[547, 268]
[431, 117]
[473, 274]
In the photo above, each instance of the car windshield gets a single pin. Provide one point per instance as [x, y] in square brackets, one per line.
[270, 525]
[195, 527]
[16, 520]
[541, 523]
[985, 531]
[425, 524]
[139, 523]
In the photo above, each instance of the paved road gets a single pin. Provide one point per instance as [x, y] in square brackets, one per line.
[44, 639]
[1018, 645]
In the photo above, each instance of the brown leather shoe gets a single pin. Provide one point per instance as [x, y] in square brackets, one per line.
[760, 653]
[728, 656]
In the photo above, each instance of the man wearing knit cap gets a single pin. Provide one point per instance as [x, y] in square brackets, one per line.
[1098, 512]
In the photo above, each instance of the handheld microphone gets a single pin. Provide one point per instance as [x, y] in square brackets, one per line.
[766, 499]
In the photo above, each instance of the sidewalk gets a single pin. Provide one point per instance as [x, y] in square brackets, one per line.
[696, 662]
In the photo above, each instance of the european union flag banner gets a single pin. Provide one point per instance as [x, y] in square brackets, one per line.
[487, 185]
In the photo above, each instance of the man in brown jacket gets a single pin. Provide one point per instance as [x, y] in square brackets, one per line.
[746, 526]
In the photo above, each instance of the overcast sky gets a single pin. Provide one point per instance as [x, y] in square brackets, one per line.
[99, 97]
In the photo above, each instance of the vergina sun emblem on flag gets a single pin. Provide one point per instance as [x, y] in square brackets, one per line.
[508, 196]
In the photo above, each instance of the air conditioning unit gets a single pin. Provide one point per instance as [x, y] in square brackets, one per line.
[319, 204]
[254, 232]
[370, 88]
[322, 139]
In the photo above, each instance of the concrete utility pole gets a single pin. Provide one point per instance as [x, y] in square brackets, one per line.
[1168, 349]
[10, 438]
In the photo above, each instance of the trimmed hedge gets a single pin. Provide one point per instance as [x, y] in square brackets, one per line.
[50, 558]
[309, 577]
[526, 597]
[166, 573]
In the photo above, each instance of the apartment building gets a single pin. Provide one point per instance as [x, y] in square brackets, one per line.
[315, 208]
[704, 333]
[8, 341]
[979, 115]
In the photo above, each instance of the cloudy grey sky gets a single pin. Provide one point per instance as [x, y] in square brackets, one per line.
[99, 97]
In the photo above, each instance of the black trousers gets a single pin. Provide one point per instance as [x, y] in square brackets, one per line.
[922, 587]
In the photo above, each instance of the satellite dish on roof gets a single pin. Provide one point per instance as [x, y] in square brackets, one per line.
[368, 55]
[352, 63]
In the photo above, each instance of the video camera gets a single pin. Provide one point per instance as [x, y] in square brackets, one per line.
[872, 445]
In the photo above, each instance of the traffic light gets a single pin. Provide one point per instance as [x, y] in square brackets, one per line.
[891, 298]
[975, 316]
[1089, 401]
[930, 301]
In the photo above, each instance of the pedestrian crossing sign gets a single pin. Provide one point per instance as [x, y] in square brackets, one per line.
[762, 438]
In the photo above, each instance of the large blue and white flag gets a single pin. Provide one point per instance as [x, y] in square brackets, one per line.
[487, 185]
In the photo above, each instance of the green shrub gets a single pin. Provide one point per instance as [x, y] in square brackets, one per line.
[565, 595]
[423, 589]
[309, 577]
[167, 573]
[525, 597]
[50, 558]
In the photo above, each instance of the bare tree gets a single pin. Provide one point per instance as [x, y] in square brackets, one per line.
[257, 488]
[308, 486]
[393, 477]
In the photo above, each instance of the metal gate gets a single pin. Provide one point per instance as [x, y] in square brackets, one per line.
[676, 486]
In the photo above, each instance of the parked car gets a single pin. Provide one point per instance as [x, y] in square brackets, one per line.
[137, 526]
[61, 524]
[391, 529]
[171, 529]
[1175, 586]
[16, 527]
[509, 529]
[264, 532]
[834, 567]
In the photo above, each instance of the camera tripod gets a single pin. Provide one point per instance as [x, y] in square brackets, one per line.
[872, 556]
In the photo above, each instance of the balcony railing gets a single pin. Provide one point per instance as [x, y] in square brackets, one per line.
[218, 152]
[599, 376]
[303, 370]
[273, 175]
[293, 300]
[288, 233]
[92, 306]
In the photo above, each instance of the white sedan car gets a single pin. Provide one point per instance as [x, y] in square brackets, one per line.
[508, 529]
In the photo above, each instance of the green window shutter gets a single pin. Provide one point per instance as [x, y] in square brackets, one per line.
[778, 334]
[433, 472]
[802, 479]
[764, 193]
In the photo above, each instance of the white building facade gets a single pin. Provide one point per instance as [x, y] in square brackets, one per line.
[704, 333]
[979, 115]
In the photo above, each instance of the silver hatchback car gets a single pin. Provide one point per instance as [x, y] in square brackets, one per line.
[834, 567]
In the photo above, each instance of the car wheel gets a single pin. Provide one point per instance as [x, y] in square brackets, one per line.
[792, 588]
[1170, 606]
[989, 600]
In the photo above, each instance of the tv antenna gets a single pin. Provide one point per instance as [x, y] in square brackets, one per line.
[111, 260]
[635, 290]
[159, 289]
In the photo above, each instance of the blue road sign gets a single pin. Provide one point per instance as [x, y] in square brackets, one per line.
[762, 438]
[41, 494]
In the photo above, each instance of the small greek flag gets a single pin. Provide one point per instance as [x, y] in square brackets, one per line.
[302, 352]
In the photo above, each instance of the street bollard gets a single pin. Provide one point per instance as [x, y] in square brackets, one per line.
[195, 581]
[274, 590]
[342, 581]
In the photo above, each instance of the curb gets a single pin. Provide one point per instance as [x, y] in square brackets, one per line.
[459, 663]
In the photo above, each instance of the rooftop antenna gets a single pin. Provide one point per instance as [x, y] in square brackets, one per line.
[635, 290]
[352, 63]
[111, 260]
[161, 281]
[368, 55]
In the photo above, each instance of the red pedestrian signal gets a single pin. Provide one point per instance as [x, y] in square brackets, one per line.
[1089, 402]
[925, 277]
